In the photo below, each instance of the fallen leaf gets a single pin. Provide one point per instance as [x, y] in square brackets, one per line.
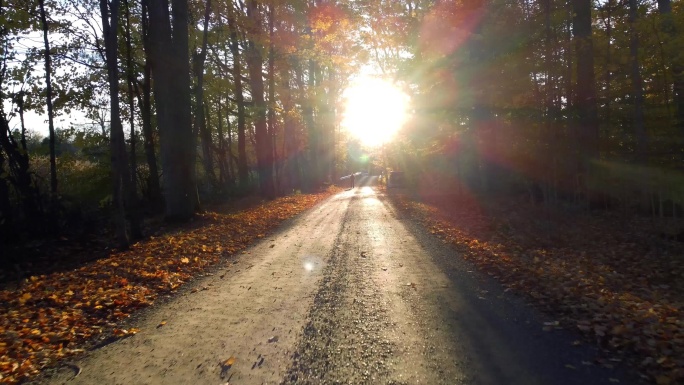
[24, 297]
[162, 323]
[273, 339]
[229, 362]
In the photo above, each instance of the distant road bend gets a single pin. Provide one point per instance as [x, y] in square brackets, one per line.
[348, 293]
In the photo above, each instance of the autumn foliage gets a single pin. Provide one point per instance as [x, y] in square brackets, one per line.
[51, 317]
[601, 275]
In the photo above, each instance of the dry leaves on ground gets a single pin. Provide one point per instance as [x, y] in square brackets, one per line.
[600, 274]
[53, 316]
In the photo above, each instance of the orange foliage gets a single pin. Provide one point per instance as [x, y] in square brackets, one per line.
[52, 316]
[600, 274]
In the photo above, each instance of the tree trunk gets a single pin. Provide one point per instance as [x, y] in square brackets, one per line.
[239, 99]
[331, 123]
[153, 185]
[18, 167]
[120, 177]
[6, 217]
[221, 145]
[48, 91]
[271, 99]
[637, 88]
[668, 26]
[171, 71]
[134, 205]
[263, 140]
[205, 134]
[312, 137]
[585, 93]
[609, 61]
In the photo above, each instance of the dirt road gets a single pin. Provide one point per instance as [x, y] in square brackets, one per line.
[349, 292]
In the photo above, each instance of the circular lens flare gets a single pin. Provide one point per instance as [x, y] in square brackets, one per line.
[375, 110]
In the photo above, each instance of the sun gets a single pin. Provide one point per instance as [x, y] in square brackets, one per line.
[375, 110]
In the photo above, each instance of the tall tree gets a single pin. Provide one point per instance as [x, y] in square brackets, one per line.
[48, 90]
[205, 134]
[132, 195]
[585, 92]
[239, 96]
[171, 72]
[145, 103]
[637, 88]
[121, 179]
[670, 29]
[256, 79]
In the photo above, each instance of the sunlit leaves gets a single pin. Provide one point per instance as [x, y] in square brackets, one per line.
[598, 276]
[50, 316]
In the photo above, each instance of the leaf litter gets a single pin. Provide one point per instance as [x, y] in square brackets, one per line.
[52, 317]
[600, 274]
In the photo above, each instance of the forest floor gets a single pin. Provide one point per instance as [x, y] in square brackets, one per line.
[367, 287]
[352, 291]
[78, 292]
[605, 275]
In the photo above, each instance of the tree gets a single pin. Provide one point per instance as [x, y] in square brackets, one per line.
[121, 179]
[200, 125]
[637, 89]
[239, 96]
[48, 90]
[145, 103]
[255, 63]
[171, 71]
[668, 26]
[585, 97]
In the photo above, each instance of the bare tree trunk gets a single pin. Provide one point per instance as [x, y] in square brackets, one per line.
[585, 95]
[290, 137]
[312, 137]
[608, 77]
[637, 88]
[19, 164]
[239, 98]
[331, 118]
[221, 146]
[271, 98]
[120, 177]
[668, 26]
[48, 89]
[263, 140]
[153, 185]
[171, 70]
[6, 217]
[205, 134]
[133, 208]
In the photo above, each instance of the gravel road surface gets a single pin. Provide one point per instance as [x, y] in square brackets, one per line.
[351, 292]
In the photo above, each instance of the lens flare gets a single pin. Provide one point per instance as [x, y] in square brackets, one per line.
[375, 110]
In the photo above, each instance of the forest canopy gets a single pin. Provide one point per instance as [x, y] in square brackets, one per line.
[158, 106]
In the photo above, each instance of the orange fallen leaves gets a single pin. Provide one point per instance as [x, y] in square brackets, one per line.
[597, 274]
[49, 317]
